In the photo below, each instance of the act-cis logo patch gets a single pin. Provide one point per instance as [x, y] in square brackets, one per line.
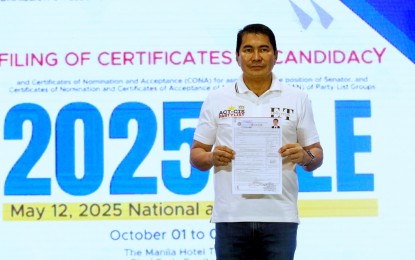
[231, 111]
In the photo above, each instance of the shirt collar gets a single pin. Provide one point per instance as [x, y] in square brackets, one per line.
[240, 86]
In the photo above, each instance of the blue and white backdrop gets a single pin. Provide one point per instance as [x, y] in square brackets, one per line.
[99, 101]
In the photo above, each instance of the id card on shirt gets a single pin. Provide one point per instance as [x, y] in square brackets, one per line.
[257, 167]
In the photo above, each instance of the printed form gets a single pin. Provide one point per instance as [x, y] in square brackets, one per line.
[257, 167]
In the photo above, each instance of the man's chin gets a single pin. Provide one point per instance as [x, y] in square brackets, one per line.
[259, 74]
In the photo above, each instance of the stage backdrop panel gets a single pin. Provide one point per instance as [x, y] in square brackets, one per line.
[99, 101]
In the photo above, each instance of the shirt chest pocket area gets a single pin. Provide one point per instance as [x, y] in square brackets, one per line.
[288, 123]
[289, 129]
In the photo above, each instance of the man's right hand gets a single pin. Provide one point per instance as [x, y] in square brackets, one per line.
[222, 155]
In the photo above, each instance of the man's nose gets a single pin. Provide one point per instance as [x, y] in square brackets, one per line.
[256, 55]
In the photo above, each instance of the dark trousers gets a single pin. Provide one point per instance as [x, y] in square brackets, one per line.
[256, 240]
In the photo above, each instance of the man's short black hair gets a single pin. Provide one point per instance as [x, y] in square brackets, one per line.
[258, 29]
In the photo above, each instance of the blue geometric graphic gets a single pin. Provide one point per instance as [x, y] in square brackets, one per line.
[325, 17]
[394, 20]
[305, 19]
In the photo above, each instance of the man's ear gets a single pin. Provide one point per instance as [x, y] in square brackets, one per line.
[237, 58]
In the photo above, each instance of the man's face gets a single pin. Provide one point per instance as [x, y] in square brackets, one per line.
[256, 56]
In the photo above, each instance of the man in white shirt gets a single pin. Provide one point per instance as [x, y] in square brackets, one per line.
[256, 226]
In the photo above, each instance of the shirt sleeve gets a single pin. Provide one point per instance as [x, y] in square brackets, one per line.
[306, 129]
[207, 126]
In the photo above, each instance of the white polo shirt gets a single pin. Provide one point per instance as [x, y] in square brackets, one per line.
[293, 109]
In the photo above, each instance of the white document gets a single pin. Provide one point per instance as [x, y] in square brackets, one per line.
[257, 167]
